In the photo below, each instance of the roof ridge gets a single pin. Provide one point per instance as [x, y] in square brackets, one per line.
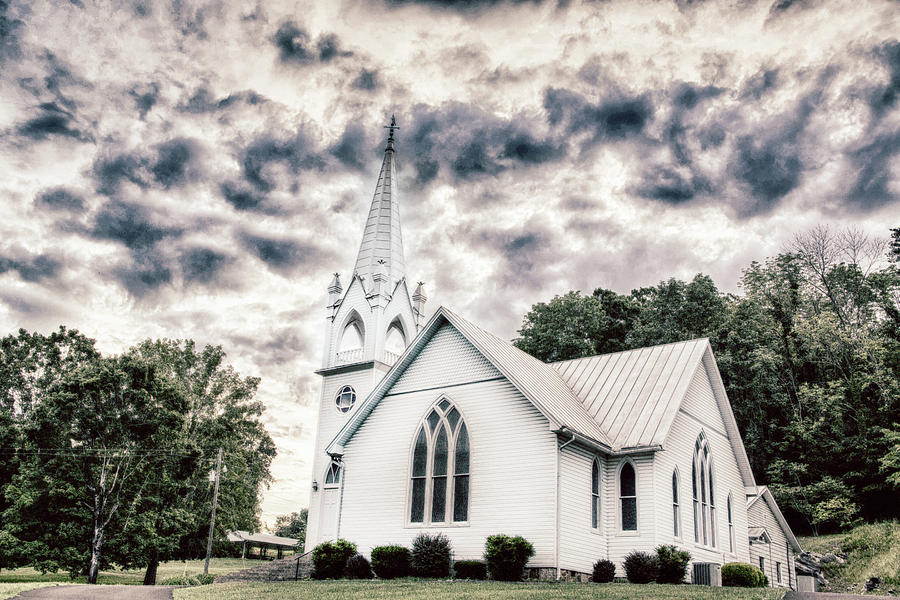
[559, 362]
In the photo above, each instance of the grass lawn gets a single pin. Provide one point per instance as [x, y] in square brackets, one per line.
[217, 566]
[10, 590]
[469, 590]
[872, 550]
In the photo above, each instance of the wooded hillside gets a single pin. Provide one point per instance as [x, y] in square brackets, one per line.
[809, 353]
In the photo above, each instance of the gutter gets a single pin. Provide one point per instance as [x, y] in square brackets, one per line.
[601, 447]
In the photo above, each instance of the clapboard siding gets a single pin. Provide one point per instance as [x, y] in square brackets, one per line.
[448, 359]
[622, 542]
[330, 421]
[580, 546]
[760, 515]
[513, 458]
[699, 412]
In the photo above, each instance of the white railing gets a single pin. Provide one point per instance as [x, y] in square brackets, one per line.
[350, 356]
[390, 358]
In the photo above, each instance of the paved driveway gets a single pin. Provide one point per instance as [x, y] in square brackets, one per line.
[100, 592]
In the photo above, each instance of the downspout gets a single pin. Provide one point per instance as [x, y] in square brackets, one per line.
[558, 487]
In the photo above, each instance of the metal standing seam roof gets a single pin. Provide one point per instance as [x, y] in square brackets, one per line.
[634, 395]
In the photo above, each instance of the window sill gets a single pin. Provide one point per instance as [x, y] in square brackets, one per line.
[436, 525]
[628, 533]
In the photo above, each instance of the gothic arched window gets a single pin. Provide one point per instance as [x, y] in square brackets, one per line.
[730, 526]
[704, 494]
[595, 494]
[333, 475]
[439, 474]
[353, 335]
[395, 341]
[676, 509]
[628, 497]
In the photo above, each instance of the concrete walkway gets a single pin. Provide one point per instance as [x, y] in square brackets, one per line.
[100, 592]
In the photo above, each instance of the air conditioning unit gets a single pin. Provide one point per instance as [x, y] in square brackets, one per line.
[707, 574]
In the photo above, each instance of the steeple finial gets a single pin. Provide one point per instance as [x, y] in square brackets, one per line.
[391, 129]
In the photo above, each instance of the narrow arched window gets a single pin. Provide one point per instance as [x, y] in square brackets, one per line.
[353, 336]
[395, 340]
[730, 526]
[439, 474]
[676, 511]
[704, 494]
[628, 497]
[595, 495]
[333, 476]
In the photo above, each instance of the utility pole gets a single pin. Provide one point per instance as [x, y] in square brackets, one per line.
[212, 518]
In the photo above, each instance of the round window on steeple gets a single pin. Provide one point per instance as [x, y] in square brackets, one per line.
[345, 399]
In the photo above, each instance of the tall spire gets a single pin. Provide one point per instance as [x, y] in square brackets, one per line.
[382, 240]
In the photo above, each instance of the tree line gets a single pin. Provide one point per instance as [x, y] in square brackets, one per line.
[106, 460]
[809, 353]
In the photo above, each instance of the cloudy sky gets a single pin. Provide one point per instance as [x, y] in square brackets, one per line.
[189, 169]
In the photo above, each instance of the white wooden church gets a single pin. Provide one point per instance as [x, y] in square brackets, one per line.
[440, 426]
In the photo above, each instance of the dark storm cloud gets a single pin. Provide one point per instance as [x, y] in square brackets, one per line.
[760, 84]
[9, 27]
[175, 161]
[145, 97]
[144, 273]
[688, 95]
[51, 121]
[522, 251]
[464, 5]
[352, 148]
[282, 255]
[472, 143]
[59, 198]
[203, 101]
[110, 170]
[202, 265]
[782, 6]
[298, 153]
[884, 98]
[30, 267]
[615, 118]
[872, 185]
[367, 80]
[295, 45]
[241, 197]
[131, 225]
[671, 185]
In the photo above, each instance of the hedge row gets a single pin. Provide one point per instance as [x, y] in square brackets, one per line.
[505, 559]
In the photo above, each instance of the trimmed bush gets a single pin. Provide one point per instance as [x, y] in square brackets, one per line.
[604, 571]
[641, 567]
[506, 556]
[430, 556]
[330, 558]
[470, 569]
[358, 567]
[389, 562]
[737, 574]
[673, 564]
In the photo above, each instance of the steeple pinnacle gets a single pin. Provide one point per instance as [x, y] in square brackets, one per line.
[382, 240]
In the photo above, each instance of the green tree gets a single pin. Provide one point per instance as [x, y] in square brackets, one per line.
[567, 327]
[292, 526]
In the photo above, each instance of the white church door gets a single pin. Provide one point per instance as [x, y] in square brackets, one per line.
[331, 501]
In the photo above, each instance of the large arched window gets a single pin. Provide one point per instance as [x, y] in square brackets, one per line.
[395, 341]
[676, 509]
[439, 490]
[353, 335]
[595, 495]
[704, 494]
[628, 497]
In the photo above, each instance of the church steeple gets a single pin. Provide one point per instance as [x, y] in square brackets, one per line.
[382, 240]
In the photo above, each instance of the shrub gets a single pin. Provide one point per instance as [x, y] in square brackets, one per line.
[330, 558]
[604, 571]
[742, 575]
[673, 564]
[358, 567]
[470, 569]
[430, 556]
[506, 556]
[641, 567]
[389, 562]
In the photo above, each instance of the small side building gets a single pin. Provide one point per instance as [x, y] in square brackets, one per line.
[773, 545]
